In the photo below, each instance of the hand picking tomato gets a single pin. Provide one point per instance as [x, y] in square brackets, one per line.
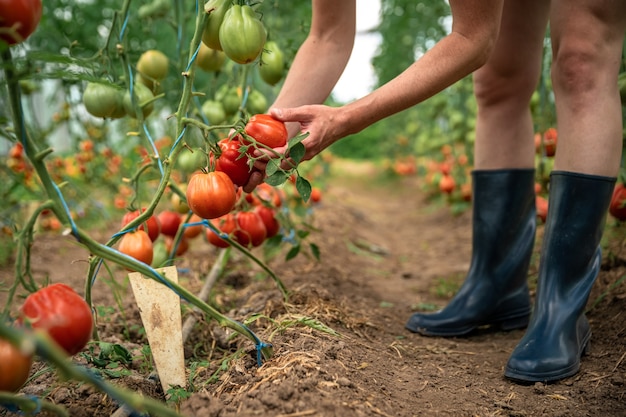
[21, 15]
[14, 366]
[232, 162]
[153, 224]
[58, 310]
[211, 195]
[137, 245]
[267, 130]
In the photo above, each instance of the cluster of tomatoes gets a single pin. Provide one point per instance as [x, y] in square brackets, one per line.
[18, 164]
[59, 312]
[216, 197]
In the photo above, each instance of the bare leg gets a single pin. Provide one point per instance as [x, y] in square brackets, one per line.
[504, 85]
[587, 38]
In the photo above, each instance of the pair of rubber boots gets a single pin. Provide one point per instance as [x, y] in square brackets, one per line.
[495, 291]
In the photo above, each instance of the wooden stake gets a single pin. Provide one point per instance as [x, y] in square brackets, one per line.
[161, 316]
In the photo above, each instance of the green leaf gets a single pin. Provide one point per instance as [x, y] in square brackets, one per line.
[276, 179]
[273, 166]
[293, 252]
[304, 188]
[315, 250]
[297, 153]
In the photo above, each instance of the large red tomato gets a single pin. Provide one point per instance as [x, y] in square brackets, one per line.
[137, 245]
[232, 162]
[250, 229]
[211, 195]
[21, 15]
[62, 313]
[14, 366]
[267, 130]
[153, 224]
[617, 208]
[225, 224]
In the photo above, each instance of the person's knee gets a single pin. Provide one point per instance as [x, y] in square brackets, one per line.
[577, 68]
[493, 88]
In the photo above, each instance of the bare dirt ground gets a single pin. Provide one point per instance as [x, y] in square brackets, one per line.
[384, 253]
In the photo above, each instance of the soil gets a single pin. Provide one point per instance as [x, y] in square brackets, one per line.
[386, 250]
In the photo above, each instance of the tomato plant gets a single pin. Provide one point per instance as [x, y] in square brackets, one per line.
[22, 16]
[137, 245]
[181, 249]
[268, 216]
[232, 161]
[267, 130]
[153, 224]
[104, 100]
[211, 195]
[170, 222]
[617, 207]
[272, 66]
[266, 194]
[242, 35]
[58, 310]
[250, 229]
[447, 184]
[225, 224]
[14, 366]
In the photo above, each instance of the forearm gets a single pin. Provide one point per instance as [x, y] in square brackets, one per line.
[313, 74]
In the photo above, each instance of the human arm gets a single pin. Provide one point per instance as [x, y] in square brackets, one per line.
[474, 31]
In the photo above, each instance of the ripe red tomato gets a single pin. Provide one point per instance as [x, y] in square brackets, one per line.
[181, 249]
[137, 245]
[170, 222]
[265, 194]
[226, 224]
[211, 195]
[267, 130]
[447, 184]
[191, 232]
[153, 224]
[250, 229]
[232, 162]
[14, 366]
[550, 138]
[541, 205]
[62, 313]
[316, 195]
[22, 15]
[617, 208]
[268, 215]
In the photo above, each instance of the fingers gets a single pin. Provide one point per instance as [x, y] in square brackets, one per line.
[256, 178]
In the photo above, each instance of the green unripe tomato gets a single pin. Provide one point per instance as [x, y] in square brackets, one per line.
[272, 65]
[242, 34]
[142, 95]
[104, 100]
[210, 60]
[257, 103]
[216, 10]
[153, 65]
[214, 111]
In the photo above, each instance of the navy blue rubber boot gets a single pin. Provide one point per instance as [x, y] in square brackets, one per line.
[495, 290]
[559, 333]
